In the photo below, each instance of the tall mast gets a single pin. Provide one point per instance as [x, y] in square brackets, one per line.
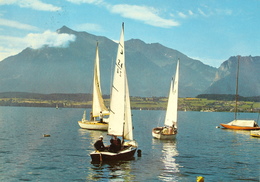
[237, 86]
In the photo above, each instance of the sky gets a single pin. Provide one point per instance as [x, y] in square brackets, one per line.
[207, 30]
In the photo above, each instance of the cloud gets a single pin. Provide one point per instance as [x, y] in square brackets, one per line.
[13, 45]
[207, 12]
[191, 13]
[182, 15]
[6, 52]
[10, 46]
[18, 25]
[33, 4]
[201, 12]
[51, 39]
[88, 27]
[86, 1]
[146, 14]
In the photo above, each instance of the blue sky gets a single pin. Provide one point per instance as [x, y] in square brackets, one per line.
[208, 30]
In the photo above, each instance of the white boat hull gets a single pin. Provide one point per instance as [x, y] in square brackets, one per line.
[158, 133]
[93, 125]
[255, 133]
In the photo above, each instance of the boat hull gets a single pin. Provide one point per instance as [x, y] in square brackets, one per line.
[234, 127]
[126, 154]
[255, 133]
[158, 133]
[93, 125]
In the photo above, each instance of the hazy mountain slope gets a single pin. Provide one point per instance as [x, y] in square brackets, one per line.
[249, 78]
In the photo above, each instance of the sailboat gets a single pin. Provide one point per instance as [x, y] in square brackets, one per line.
[98, 107]
[255, 133]
[238, 124]
[169, 130]
[120, 119]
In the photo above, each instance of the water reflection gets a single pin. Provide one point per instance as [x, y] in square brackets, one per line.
[242, 132]
[120, 170]
[92, 135]
[170, 169]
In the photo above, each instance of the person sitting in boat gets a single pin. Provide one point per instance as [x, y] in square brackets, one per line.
[115, 145]
[99, 145]
[169, 130]
[165, 130]
[174, 128]
[91, 116]
[101, 117]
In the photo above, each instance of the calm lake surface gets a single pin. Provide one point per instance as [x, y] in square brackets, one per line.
[200, 148]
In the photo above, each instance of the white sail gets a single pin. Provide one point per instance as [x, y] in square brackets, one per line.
[98, 102]
[117, 102]
[120, 120]
[172, 106]
[128, 128]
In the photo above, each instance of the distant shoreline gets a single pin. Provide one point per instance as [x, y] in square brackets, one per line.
[140, 103]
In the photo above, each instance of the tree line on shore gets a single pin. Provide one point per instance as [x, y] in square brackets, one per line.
[206, 102]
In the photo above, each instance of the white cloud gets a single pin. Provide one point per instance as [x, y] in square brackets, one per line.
[52, 39]
[191, 13]
[33, 4]
[182, 15]
[201, 12]
[10, 46]
[18, 25]
[207, 12]
[13, 45]
[6, 52]
[86, 1]
[146, 14]
[88, 27]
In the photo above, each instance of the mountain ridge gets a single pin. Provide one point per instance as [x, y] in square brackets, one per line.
[248, 80]
[70, 69]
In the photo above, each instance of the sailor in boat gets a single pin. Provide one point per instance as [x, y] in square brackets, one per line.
[91, 116]
[101, 117]
[99, 145]
[169, 130]
[115, 144]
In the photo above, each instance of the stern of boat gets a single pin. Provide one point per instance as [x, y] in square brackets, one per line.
[125, 154]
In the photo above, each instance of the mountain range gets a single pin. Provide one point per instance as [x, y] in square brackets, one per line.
[149, 67]
[248, 77]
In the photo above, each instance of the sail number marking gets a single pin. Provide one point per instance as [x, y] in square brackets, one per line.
[119, 67]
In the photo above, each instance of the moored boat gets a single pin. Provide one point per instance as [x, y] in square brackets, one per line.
[241, 125]
[99, 110]
[237, 124]
[255, 133]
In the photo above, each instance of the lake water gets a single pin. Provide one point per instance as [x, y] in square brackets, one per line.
[200, 148]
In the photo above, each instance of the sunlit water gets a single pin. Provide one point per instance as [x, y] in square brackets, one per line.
[200, 148]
